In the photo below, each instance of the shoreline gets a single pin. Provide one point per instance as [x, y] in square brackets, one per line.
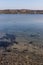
[21, 11]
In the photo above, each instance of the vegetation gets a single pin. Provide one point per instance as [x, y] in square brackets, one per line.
[22, 11]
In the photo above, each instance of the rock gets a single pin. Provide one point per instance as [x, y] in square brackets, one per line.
[35, 35]
[7, 40]
[31, 42]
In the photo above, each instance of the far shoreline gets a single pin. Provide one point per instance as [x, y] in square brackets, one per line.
[21, 11]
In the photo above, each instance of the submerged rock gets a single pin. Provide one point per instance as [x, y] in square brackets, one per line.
[7, 39]
[4, 44]
[35, 35]
[11, 36]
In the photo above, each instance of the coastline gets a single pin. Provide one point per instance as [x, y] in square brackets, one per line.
[21, 11]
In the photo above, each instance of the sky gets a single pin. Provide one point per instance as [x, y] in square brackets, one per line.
[21, 4]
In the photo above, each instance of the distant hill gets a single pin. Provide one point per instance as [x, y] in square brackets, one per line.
[21, 11]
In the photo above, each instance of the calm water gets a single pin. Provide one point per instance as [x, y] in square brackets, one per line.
[22, 24]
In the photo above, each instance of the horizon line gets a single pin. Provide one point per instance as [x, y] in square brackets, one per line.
[21, 9]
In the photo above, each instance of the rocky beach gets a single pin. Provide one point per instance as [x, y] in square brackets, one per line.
[15, 51]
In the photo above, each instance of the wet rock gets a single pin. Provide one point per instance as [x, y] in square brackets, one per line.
[8, 36]
[11, 36]
[7, 40]
[4, 44]
[16, 42]
[31, 42]
[8, 50]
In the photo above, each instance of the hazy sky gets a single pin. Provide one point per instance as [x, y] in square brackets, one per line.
[21, 4]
